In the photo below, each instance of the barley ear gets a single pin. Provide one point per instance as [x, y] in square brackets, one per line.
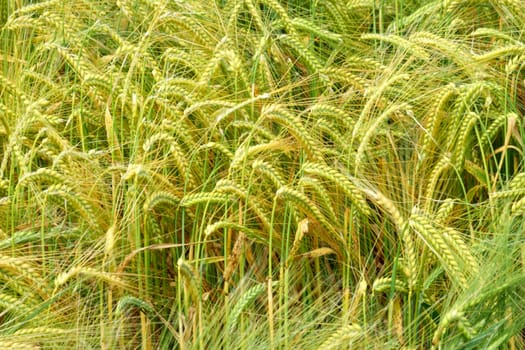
[340, 180]
[249, 296]
[344, 335]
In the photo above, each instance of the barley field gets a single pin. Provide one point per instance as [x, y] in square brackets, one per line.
[262, 174]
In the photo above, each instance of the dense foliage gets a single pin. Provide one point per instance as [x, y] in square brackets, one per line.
[262, 174]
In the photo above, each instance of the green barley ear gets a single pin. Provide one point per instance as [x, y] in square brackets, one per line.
[493, 33]
[384, 284]
[21, 268]
[341, 181]
[43, 175]
[268, 170]
[260, 133]
[72, 198]
[516, 187]
[510, 50]
[13, 345]
[499, 122]
[518, 207]
[240, 106]
[283, 15]
[336, 14]
[410, 253]
[321, 195]
[201, 106]
[6, 115]
[252, 6]
[441, 167]
[309, 58]
[219, 147]
[334, 141]
[306, 205]
[342, 75]
[158, 198]
[129, 301]
[192, 199]
[295, 127]
[451, 317]
[81, 66]
[302, 24]
[228, 186]
[228, 225]
[213, 63]
[41, 332]
[347, 334]
[458, 155]
[448, 48]
[375, 94]
[109, 278]
[518, 181]
[14, 90]
[4, 184]
[445, 209]
[248, 297]
[234, 67]
[175, 150]
[328, 111]
[398, 41]
[14, 305]
[435, 118]
[192, 282]
[404, 231]
[372, 129]
[244, 152]
[448, 247]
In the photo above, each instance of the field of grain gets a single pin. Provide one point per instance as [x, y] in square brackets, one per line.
[262, 174]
